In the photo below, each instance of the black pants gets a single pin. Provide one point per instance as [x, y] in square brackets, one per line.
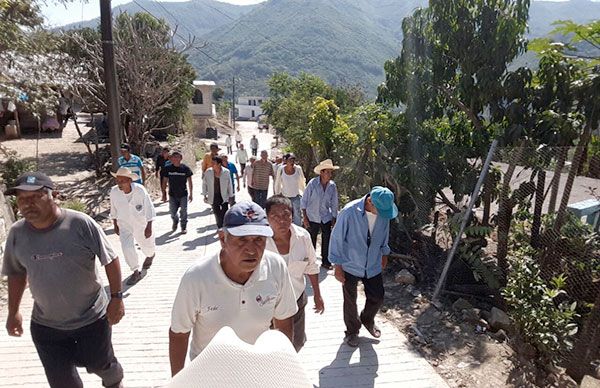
[373, 291]
[229, 150]
[254, 151]
[325, 230]
[90, 346]
[220, 211]
[242, 168]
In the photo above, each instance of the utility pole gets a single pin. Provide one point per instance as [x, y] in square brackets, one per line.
[233, 104]
[110, 80]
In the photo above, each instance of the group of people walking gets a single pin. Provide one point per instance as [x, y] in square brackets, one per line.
[256, 281]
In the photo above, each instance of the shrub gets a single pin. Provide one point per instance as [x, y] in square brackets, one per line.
[542, 321]
[75, 204]
[14, 167]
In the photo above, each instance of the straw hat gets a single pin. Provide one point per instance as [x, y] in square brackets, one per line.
[229, 362]
[126, 172]
[327, 164]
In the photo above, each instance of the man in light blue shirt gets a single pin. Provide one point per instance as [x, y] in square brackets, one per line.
[319, 206]
[132, 162]
[359, 249]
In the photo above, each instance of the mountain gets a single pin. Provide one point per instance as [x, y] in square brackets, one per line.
[195, 17]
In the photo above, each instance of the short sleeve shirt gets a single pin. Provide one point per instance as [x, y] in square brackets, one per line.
[208, 300]
[134, 163]
[177, 177]
[61, 269]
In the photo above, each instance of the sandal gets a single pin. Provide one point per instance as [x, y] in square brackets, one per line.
[372, 328]
[148, 262]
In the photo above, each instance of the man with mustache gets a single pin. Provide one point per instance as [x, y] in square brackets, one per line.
[242, 286]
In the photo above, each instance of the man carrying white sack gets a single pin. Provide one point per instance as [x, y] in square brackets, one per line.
[132, 212]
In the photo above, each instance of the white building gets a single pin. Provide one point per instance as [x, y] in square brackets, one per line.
[249, 107]
[202, 101]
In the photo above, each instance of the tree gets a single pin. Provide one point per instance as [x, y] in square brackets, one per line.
[155, 79]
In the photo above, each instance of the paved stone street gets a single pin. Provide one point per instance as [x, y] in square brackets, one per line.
[141, 339]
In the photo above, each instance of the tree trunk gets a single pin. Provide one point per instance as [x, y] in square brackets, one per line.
[505, 214]
[560, 163]
[586, 346]
[537, 211]
[486, 197]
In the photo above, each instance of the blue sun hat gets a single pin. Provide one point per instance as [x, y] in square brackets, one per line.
[383, 200]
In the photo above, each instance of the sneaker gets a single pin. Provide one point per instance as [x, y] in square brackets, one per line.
[327, 266]
[352, 340]
[148, 262]
[174, 227]
[183, 231]
[135, 277]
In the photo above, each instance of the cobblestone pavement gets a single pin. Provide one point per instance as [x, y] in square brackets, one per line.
[141, 338]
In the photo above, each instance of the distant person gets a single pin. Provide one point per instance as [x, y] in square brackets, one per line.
[238, 139]
[290, 182]
[162, 160]
[319, 206]
[229, 145]
[261, 171]
[233, 170]
[247, 177]
[133, 162]
[53, 251]
[242, 286]
[359, 249]
[209, 156]
[217, 189]
[175, 177]
[294, 245]
[132, 212]
[254, 145]
[241, 157]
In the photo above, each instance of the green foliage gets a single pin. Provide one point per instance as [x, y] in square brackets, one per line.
[544, 322]
[75, 204]
[13, 167]
[199, 152]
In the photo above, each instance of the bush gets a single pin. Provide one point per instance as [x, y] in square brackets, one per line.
[75, 204]
[199, 152]
[14, 167]
[542, 321]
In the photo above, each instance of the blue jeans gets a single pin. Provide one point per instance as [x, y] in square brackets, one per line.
[90, 346]
[260, 197]
[297, 214]
[181, 204]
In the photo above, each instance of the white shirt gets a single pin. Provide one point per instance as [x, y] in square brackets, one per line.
[247, 177]
[238, 136]
[241, 157]
[301, 259]
[132, 210]
[228, 141]
[208, 300]
[289, 185]
[371, 218]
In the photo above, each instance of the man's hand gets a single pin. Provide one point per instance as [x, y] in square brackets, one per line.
[306, 223]
[14, 324]
[319, 305]
[148, 230]
[115, 311]
[117, 230]
[238, 187]
[164, 197]
[339, 274]
[384, 261]
[190, 198]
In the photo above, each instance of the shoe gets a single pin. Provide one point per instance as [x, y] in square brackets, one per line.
[328, 267]
[135, 277]
[174, 227]
[371, 328]
[352, 340]
[183, 231]
[148, 262]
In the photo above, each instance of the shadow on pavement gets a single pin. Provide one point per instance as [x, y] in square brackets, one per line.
[342, 373]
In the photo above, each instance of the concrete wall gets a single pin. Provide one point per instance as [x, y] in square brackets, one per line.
[6, 220]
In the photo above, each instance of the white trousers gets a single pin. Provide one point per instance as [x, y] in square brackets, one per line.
[129, 236]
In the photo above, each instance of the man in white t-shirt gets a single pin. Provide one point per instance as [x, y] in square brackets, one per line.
[242, 286]
[132, 212]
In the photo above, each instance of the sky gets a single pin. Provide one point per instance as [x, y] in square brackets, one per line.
[78, 10]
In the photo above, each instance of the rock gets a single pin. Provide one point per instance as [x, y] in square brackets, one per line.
[405, 277]
[460, 305]
[500, 336]
[589, 382]
[471, 315]
[499, 320]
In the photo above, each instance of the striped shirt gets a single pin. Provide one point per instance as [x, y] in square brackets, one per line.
[263, 169]
[134, 164]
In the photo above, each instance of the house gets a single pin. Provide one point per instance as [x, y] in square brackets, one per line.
[201, 107]
[249, 107]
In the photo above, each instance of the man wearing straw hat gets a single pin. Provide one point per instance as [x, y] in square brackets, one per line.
[54, 250]
[319, 206]
[241, 286]
[132, 212]
[359, 249]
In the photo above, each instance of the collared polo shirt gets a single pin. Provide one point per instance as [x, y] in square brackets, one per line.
[301, 258]
[263, 169]
[135, 209]
[134, 163]
[208, 300]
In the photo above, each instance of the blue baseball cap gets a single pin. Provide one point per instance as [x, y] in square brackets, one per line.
[383, 200]
[247, 219]
[30, 181]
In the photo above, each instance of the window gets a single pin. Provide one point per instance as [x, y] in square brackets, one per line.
[249, 102]
[198, 98]
[252, 113]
